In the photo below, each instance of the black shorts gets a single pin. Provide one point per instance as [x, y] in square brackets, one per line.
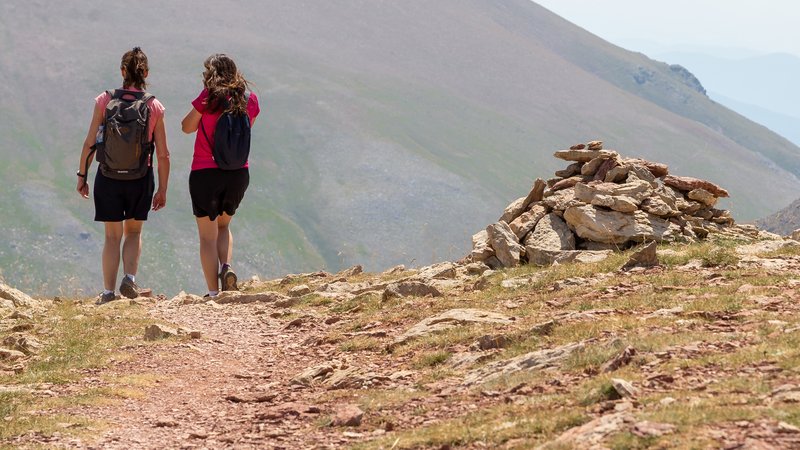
[215, 191]
[118, 200]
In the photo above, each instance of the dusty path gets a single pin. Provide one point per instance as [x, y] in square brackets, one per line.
[229, 388]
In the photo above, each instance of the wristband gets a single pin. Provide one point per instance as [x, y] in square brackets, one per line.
[82, 175]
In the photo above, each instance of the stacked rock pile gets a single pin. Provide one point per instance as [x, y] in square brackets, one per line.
[601, 202]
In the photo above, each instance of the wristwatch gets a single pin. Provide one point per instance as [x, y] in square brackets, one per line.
[82, 175]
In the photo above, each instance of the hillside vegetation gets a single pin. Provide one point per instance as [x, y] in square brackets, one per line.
[390, 130]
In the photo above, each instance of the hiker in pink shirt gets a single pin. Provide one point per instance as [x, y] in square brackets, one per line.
[220, 174]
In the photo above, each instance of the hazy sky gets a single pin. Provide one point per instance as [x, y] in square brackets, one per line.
[766, 26]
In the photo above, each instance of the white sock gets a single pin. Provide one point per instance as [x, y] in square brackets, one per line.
[131, 277]
[213, 293]
[106, 291]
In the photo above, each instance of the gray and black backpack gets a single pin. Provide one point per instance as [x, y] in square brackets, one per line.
[123, 148]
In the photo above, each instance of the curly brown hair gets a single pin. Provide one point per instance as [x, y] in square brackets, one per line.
[134, 63]
[226, 85]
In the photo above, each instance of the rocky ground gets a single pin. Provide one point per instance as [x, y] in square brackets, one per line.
[699, 351]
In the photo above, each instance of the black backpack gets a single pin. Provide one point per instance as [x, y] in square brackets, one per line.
[123, 150]
[231, 146]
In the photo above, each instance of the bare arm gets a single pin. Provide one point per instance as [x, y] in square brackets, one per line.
[190, 123]
[97, 119]
[162, 155]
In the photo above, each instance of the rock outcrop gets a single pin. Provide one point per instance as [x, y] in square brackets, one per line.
[602, 202]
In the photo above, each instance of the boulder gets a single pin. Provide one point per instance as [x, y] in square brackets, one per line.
[657, 169]
[656, 206]
[513, 210]
[607, 166]
[571, 170]
[505, 244]
[591, 167]
[17, 297]
[449, 319]
[525, 223]
[578, 147]
[521, 205]
[481, 248]
[551, 233]
[562, 200]
[703, 196]
[635, 190]
[689, 184]
[612, 227]
[617, 174]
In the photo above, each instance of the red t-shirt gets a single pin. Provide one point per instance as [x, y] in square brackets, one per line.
[203, 158]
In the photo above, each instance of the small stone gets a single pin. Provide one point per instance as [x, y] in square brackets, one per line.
[624, 388]
[10, 355]
[622, 359]
[488, 342]
[299, 291]
[347, 416]
[666, 401]
[543, 328]
[410, 288]
[156, 332]
[645, 256]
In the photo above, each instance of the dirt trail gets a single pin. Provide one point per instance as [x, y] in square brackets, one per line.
[229, 388]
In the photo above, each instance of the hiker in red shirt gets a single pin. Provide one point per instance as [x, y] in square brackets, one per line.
[223, 113]
[126, 127]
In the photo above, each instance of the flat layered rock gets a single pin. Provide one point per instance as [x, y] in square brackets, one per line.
[689, 184]
[612, 227]
[449, 319]
[245, 298]
[538, 360]
[525, 223]
[410, 288]
[541, 257]
[583, 156]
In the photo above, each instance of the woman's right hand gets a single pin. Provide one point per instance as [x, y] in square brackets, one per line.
[83, 187]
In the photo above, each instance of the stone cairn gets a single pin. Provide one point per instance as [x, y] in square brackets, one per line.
[601, 202]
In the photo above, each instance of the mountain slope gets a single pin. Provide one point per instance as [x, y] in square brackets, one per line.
[391, 131]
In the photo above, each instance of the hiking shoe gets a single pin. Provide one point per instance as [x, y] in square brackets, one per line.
[128, 288]
[105, 298]
[228, 279]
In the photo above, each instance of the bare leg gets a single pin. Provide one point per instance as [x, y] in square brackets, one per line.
[209, 255]
[132, 246]
[224, 239]
[111, 254]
